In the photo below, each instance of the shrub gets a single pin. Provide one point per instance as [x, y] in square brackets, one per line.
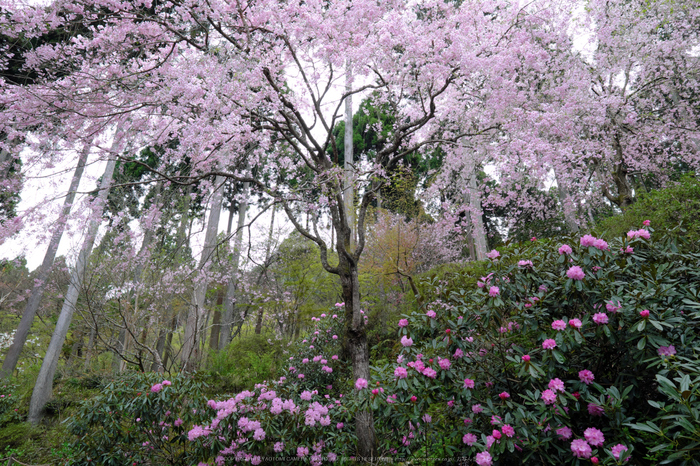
[591, 353]
[666, 208]
[303, 414]
[139, 419]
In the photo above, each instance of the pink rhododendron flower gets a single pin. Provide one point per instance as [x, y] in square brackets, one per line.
[564, 433]
[575, 323]
[302, 452]
[279, 447]
[428, 372]
[431, 314]
[483, 459]
[575, 273]
[600, 244]
[493, 254]
[477, 409]
[667, 350]
[595, 410]
[612, 306]
[526, 358]
[525, 264]
[458, 353]
[401, 372]
[406, 341]
[644, 313]
[534, 238]
[166, 383]
[469, 439]
[558, 325]
[557, 385]
[600, 318]
[504, 395]
[494, 291]
[156, 388]
[549, 397]
[594, 437]
[587, 240]
[300, 376]
[403, 322]
[565, 249]
[360, 383]
[586, 376]
[468, 383]
[444, 363]
[549, 344]
[646, 223]
[617, 449]
[580, 448]
[496, 434]
[259, 434]
[508, 430]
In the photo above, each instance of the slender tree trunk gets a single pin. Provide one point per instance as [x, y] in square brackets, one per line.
[359, 352]
[230, 301]
[268, 248]
[169, 341]
[90, 348]
[44, 384]
[25, 324]
[473, 198]
[216, 322]
[349, 192]
[356, 340]
[196, 313]
[567, 204]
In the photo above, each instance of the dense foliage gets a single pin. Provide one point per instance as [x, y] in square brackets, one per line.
[562, 352]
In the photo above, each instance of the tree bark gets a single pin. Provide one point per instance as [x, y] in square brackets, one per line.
[25, 324]
[44, 383]
[349, 192]
[196, 312]
[566, 202]
[478, 233]
[268, 248]
[230, 301]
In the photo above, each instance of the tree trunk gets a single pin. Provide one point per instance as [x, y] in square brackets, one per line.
[216, 322]
[473, 195]
[230, 301]
[44, 384]
[120, 347]
[169, 342]
[349, 192]
[90, 348]
[196, 312]
[358, 348]
[268, 249]
[567, 204]
[25, 324]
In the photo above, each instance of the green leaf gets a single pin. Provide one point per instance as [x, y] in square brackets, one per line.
[558, 356]
[642, 343]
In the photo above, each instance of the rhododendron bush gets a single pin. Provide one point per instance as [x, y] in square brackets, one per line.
[556, 366]
[552, 369]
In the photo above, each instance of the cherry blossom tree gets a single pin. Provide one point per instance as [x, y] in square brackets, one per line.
[251, 91]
